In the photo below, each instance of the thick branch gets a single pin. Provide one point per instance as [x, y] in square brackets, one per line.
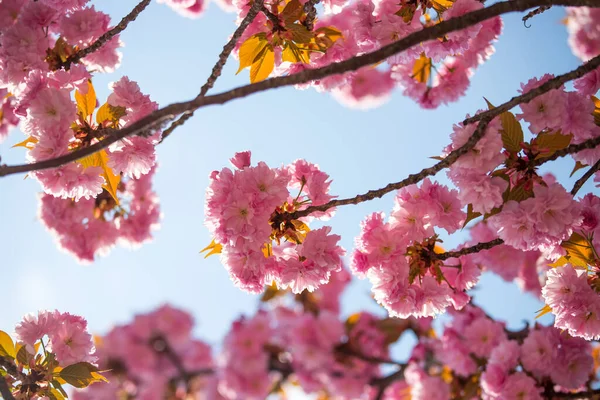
[470, 250]
[354, 63]
[5, 390]
[107, 36]
[580, 182]
[551, 84]
[382, 383]
[218, 68]
[574, 148]
[587, 394]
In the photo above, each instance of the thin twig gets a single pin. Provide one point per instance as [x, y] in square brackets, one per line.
[574, 148]
[550, 84]
[533, 13]
[107, 36]
[5, 390]
[218, 68]
[580, 182]
[586, 394]
[169, 112]
[470, 250]
[311, 14]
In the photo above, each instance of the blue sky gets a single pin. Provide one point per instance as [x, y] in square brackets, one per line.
[170, 57]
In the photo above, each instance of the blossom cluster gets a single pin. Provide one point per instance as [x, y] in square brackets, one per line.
[52, 349]
[139, 357]
[432, 73]
[534, 363]
[249, 211]
[47, 90]
[398, 256]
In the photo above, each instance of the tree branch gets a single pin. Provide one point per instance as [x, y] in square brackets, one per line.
[218, 68]
[533, 13]
[551, 84]
[5, 390]
[169, 112]
[311, 14]
[593, 169]
[107, 36]
[587, 394]
[382, 383]
[470, 250]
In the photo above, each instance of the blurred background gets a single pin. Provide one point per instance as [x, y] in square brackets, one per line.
[171, 57]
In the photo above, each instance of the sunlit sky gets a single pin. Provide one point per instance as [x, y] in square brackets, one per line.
[170, 57]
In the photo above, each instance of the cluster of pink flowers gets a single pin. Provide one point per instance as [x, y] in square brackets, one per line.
[91, 227]
[401, 284]
[541, 222]
[584, 31]
[367, 25]
[139, 357]
[246, 211]
[67, 336]
[508, 365]
[39, 87]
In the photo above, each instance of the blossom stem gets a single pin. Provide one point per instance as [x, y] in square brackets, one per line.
[5, 390]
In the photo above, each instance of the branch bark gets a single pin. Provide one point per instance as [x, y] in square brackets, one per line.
[581, 181]
[470, 250]
[107, 36]
[169, 112]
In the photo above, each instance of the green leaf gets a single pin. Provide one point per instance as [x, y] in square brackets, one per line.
[512, 133]
[549, 143]
[59, 387]
[54, 394]
[578, 165]
[81, 375]
[7, 347]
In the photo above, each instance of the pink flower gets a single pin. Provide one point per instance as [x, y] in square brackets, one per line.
[584, 31]
[483, 335]
[187, 8]
[519, 386]
[33, 327]
[241, 160]
[589, 84]
[545, 111]
[133, 157]
[83, 26]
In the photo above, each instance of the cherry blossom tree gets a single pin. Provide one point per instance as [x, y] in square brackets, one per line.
[95, 159]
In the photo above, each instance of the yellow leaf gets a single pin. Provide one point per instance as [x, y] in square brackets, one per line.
[106, 112]
[212, 248]
[579, 251]
[111, 181]
[267, 250]
[250, 49]
[560, 262]
[293, 53]
[545, 310]
[438, 249]
[326, 36]
[578, 165]
[263, 66]
[271, 292]
[441, 5]
[27, 143]
[7, 347]
[86, 103]
[596, 110]
[422, 69]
